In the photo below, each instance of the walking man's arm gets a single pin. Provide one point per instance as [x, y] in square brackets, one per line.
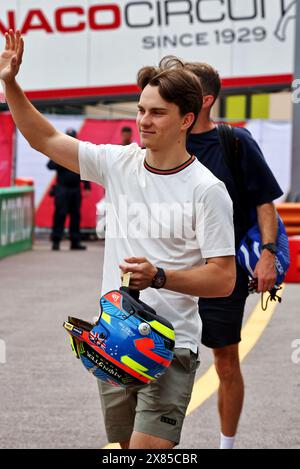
[265, 270]
[40, 134]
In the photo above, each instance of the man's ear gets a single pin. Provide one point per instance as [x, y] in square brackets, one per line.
[188, 120]
[208, 101]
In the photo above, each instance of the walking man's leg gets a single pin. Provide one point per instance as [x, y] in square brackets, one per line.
[231, 392]
[222, 323]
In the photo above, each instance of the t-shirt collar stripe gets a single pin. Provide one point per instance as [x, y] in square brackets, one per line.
[170, 171]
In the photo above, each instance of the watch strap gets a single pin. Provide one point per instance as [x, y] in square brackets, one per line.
[272, 247]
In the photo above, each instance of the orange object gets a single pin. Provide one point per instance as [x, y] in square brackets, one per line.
[290, 214]
[293, 274]
[24, 182]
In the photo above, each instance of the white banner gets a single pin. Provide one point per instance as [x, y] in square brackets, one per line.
[275, 141]
[92, 43]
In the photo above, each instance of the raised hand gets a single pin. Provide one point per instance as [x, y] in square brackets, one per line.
[11, 57]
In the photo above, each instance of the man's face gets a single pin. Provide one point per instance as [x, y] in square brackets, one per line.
[159, 122]
[126, 137]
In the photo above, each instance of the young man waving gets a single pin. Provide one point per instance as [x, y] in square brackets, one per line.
[169, 223]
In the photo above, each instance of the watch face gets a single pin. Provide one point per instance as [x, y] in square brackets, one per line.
[159, 279]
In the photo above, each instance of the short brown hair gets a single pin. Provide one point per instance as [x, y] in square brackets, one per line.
[209, 77]
[175, 85]
[126, 128]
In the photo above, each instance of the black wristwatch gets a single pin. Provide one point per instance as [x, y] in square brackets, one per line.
[159, 279]
[272, 247]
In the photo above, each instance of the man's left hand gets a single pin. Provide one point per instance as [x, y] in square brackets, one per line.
[265, 272]
[142, 272]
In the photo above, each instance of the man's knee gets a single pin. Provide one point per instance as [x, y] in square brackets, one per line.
[227, 362]
[144, 441]
[124, 444]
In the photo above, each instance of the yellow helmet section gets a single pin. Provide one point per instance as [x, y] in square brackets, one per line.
[106, 317]
[136, 366]
[164, 330]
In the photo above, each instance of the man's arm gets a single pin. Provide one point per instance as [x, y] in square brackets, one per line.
[265, 270]
[40, 134]
[262, 188]
[214, 279]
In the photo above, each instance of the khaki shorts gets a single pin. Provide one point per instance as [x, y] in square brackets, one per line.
[157, 409]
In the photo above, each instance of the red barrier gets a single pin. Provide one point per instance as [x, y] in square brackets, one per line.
[293, 274]
[7, 130]
[290, 214]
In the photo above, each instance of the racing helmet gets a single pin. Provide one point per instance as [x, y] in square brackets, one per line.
[129, 345]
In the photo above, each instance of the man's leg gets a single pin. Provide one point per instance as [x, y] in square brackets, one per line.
[231, 389]
[124, 444]
[60, 215]
[161, 405]
[118, 407]
[222, 323]
[75, 202]
[143, 441]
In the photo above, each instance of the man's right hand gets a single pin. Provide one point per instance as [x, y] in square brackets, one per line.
[38, 131]
[11, 57]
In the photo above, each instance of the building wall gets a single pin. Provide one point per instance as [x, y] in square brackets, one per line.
[275, 106]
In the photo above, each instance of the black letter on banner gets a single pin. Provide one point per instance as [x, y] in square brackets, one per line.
[208, 20]
[137, 25]
[242, 18]
[187, 11]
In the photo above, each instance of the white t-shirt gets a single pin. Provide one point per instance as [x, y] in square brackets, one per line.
[175, 219]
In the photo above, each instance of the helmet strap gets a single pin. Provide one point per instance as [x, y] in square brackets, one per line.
[126, 279]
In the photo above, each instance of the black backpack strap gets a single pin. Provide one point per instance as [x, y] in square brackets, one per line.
[227, 140]
[231, 151]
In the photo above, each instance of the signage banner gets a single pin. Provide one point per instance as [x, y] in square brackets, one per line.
[16, 220]
[88, 44]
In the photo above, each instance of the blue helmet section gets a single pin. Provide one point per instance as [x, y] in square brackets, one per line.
[250, 250]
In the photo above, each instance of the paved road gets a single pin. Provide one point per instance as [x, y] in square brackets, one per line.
[49, 401]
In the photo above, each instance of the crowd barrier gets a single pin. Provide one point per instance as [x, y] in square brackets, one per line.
[16, 219]
[290, 214]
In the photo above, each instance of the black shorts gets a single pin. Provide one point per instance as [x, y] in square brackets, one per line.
[222, 317]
